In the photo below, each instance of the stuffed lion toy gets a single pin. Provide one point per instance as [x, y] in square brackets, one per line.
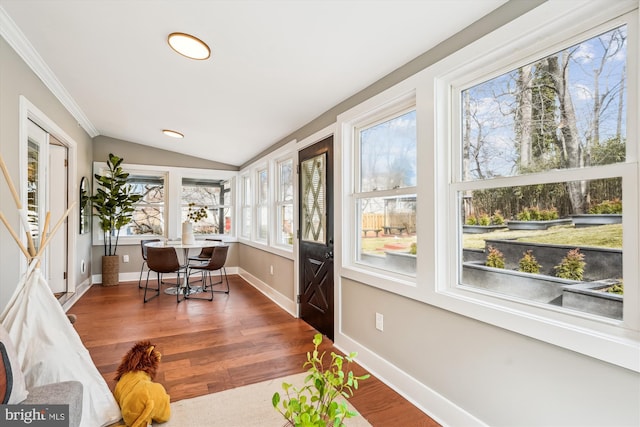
[141, 400]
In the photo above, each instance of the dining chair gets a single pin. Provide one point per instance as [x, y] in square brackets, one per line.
[162, 261]
[205, 253]
[143, 249]
[216, 263]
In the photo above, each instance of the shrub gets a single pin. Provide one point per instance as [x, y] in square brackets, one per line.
[618, 288]
[497, 218]
[471, 221]
[484, 220]
[535, 214]
[529, 264]
[413, 250]
[572, 265]
[607, 207]
[495, 258]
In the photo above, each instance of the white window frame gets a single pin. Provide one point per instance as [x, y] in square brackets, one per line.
[250, 172]
[280, 203]
[173, 200]
[245, 205]
[261, 204]
[354, 126]
[613, 341]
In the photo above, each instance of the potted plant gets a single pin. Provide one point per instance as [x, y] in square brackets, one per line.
[316, 403]
[534, 218]
[605, 212]
[113, 204]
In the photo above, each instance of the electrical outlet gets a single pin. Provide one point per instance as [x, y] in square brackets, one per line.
[379, 321]
[125, 258]
[271, 270]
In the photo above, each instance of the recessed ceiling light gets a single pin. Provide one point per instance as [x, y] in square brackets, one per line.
[172, 133]
[189, 46]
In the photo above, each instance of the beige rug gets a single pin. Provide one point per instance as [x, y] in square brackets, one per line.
[248, 406]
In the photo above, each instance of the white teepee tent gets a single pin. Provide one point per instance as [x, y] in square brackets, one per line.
[48, 347]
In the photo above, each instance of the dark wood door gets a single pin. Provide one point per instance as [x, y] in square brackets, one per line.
[316, 235]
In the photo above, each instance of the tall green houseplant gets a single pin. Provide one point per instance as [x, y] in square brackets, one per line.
[113, 204]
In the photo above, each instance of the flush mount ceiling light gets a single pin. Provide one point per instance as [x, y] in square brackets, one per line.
[172, 133]
[189, 46]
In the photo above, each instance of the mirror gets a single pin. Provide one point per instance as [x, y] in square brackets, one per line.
[85, 206]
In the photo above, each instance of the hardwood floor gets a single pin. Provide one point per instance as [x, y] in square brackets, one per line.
[210, 346]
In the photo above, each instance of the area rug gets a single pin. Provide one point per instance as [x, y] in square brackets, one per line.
[247, 406]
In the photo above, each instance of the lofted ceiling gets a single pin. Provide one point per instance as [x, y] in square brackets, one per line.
[275, 65]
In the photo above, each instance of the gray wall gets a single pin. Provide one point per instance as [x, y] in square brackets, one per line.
[16, 79]
[258, 262]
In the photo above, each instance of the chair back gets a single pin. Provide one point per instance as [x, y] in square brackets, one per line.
[218, 258]
[143, 246]
[162, 260]
[206, 252]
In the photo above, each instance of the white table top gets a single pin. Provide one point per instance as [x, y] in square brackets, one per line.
[199, 244]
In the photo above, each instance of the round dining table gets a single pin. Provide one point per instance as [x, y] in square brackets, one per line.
[186, 247]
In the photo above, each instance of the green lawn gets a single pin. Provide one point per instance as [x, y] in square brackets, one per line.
[604, 236]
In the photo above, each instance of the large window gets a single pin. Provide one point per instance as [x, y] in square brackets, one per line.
[213, 197]
[385, 191]
[246, 207]
[546, 129]
[262, 205]
[158, 215]
[284, 202]
[149, 215]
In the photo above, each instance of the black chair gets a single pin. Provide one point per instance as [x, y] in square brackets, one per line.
[162, 261]
[143, 249]
[216, 263]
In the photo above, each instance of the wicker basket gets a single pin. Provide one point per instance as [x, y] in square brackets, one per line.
[110, 270]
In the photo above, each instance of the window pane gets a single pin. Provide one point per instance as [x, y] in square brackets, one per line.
[388, 233]
[262, 222]
[567, 110]
[263, 187]
[148, 216]
[202, 199]
[286, 181]
[388, 154]
[525, 242]
[285, 219]
[314, 210]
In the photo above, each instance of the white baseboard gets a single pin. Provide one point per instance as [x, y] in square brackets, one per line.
[80, 290]
[442, 410]
[285, 303]
[134, 276]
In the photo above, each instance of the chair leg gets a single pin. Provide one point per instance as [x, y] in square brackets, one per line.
[141, 270]
[223, 278]
[146, 287]
[204, 288]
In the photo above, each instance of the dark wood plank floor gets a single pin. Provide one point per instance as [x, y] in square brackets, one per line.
[237, 339]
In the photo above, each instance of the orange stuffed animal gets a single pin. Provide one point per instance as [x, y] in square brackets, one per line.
[141, 400]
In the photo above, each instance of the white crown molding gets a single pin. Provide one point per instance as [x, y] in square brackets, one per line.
[17, 40]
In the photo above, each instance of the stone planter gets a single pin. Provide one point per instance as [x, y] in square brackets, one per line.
[589, 220]
[401, 262]
[479, 229]
[537, 225]
[532, 287]
[589, 298]
[602, 263]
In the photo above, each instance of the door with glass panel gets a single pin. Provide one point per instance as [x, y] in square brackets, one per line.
[316, 236]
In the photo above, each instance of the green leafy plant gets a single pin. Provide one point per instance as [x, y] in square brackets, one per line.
[484, 220]
[607, 207]
[413, 249]
[497, 218]
[495, 258]
[196, 215]
[315, 404]
[618, 288]
[572, 265]
[113, 203]
[528, 263]
[535, 214]
[472, 220]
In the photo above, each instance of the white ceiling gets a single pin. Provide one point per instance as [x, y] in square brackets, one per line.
[275, 66]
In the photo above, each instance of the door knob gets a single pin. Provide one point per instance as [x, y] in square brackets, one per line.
[328, 255]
